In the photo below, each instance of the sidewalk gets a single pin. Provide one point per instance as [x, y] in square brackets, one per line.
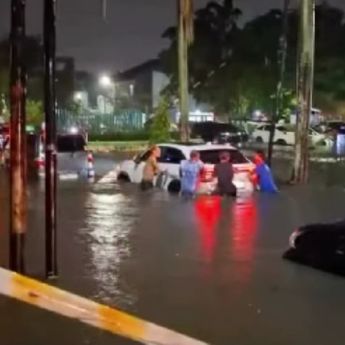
[21, 324]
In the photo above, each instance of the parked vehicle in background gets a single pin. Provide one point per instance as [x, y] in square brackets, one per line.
[331, 127]
[219, 132]
[284, 135]
[73, 159]
[320, 139]
[171, 157]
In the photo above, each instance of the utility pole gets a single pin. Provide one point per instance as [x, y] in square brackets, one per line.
[18, 180]
[305, 78]
[49, 30]
[282, 55]
[185, 38]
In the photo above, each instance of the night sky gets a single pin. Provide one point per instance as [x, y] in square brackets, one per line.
[131, 34]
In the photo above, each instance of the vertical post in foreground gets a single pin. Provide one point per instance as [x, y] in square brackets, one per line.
[305, 77]
[50, 149]
[185, 38]
[18, 181]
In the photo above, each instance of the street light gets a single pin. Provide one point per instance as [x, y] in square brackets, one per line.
[106, 81]
[78, 96]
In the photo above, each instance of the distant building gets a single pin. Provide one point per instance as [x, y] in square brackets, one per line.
[87, 83]
[65, 74]
[141, 87]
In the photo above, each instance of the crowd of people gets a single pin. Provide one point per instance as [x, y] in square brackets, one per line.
[223, 174]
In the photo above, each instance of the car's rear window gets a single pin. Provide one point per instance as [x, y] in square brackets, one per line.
[212, 156]
[70, 143]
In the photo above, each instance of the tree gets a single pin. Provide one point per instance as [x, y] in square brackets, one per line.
[34, 112]
[160, 127]
[185, 38]
[243, 65]
[304, 89]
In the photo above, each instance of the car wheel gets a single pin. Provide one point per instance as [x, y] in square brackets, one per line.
[123, 177]
[174, 187]
[259, 140]
[281, 142]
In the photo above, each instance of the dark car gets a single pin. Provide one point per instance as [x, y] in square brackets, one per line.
[320, 246]
[335, 127]
[72, 157]
[220, 133]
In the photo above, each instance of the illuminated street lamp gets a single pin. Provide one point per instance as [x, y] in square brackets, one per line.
[106, 81]
[78, 96]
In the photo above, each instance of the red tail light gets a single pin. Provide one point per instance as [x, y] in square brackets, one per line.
[39, 163]
[207, 174]
[250, 170]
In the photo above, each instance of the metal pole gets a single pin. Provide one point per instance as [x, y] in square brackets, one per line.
[283, 47]
[18, 181]
[304, 88]
[182, 51]
[50, 149]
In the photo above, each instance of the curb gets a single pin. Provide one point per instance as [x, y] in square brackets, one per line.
[86, 311]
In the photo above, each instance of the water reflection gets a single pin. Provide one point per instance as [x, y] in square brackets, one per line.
[243, 228]
[208, 211]
[110, 220]
[227, 231]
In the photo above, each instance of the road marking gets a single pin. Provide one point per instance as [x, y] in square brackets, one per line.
[100, 316]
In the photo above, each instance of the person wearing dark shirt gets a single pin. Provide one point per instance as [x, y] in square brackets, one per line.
[224, 174]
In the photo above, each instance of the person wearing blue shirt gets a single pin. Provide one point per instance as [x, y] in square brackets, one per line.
[264, 173]
[190, 171]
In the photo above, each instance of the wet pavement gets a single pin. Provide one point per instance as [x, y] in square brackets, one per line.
[210, 268]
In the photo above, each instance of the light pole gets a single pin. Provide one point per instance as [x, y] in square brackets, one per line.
[49, 30]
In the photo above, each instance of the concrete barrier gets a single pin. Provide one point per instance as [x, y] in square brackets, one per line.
[86, 311]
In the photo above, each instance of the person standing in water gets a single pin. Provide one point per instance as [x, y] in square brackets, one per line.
[190, 171]
[266, 181]
[224, 174]
[151, 168]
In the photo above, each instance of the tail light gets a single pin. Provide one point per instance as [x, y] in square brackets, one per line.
[207, 174]
[250, 170]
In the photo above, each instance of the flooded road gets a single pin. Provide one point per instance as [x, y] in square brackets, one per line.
[209, 268]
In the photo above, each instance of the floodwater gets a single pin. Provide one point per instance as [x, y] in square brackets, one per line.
[209, 268]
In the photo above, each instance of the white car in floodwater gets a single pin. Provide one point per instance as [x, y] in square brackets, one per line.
[171, 156]
[286, 136]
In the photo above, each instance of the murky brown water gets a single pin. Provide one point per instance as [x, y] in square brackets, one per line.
[210, 268]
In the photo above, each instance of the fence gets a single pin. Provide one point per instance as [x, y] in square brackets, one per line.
[98, 123]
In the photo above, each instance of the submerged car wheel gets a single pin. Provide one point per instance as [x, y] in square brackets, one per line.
[123, 177]
[174, 187]
[281, 142]
[259, 140]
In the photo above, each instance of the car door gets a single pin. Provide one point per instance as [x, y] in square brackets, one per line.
[264, 133]
[170, 160]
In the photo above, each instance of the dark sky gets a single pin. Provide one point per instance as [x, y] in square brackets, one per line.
[130, 35]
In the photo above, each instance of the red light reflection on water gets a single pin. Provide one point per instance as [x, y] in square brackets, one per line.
[243, 233]
[208, 210]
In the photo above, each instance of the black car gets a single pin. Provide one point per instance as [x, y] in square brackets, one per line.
[332, 127]
[320, 246]
[218, 132]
